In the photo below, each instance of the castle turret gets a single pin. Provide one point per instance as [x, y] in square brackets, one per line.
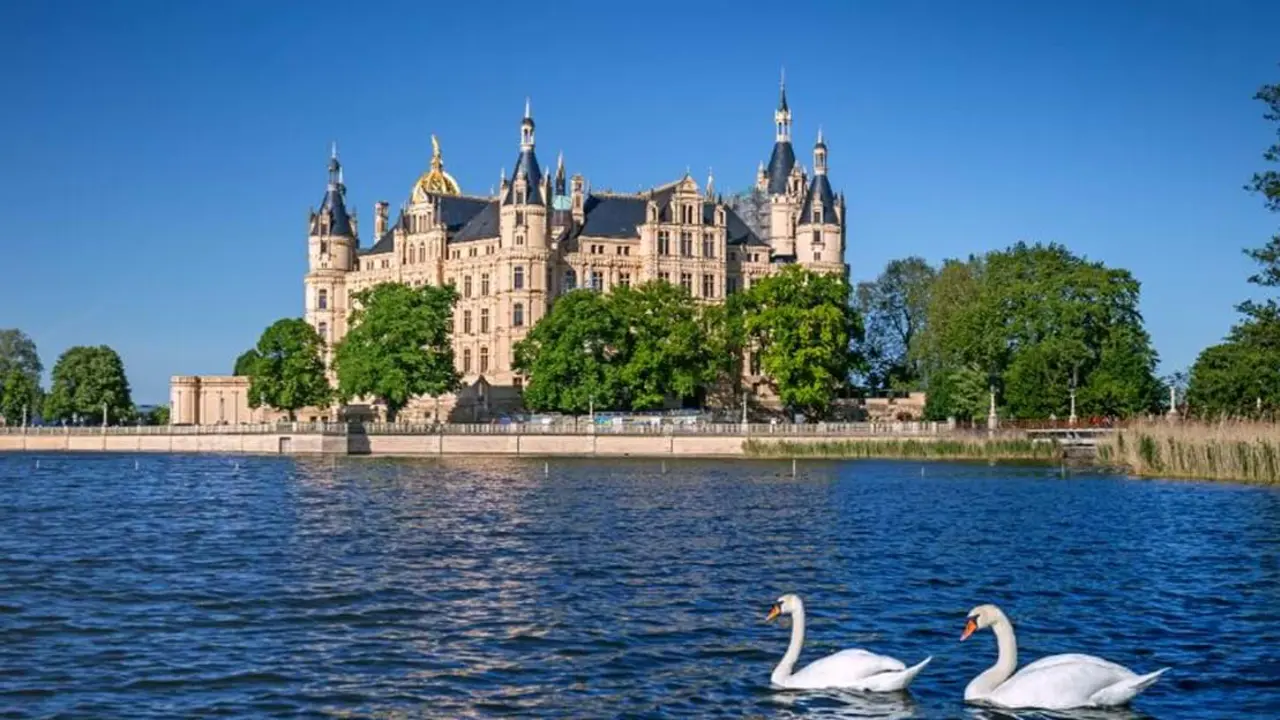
[331, 247]
[561, 204]
[524, 202]
[782, 181]
[819, 238]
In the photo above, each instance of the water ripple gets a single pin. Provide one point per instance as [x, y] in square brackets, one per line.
[273, 587]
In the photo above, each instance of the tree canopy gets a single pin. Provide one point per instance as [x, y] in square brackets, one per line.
[895, 308]
[1241, 376]
[20, 370]
[399, 346]
[288, 373]
[84, 380]
[246, 362]
[571, 355]
[805, 331]
[1034, 321]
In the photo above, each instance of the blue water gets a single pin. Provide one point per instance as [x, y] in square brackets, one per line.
[269, 587]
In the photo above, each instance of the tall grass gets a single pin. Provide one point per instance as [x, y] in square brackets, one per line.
[1239, 450]
[966, 449]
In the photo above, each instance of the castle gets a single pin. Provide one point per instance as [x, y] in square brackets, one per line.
[543, 234]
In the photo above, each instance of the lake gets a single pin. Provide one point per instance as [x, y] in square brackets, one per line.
[179, 586]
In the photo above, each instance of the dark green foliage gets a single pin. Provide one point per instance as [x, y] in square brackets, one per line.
[20, 370]
[246, 362]
[572, 356]
[1241, 377]
[895, 309]
[288, 373]
[805, 329]
[1034, 321]
[84, 380]
[960, 393]
[399, 346]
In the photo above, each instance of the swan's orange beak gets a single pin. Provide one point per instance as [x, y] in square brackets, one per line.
[969, 627]
[774, 612]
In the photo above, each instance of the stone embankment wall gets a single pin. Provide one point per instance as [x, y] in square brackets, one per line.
[420, 445]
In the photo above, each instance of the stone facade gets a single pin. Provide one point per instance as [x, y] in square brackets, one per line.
[543, 234]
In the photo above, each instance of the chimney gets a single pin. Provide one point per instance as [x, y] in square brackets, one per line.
[379, 219]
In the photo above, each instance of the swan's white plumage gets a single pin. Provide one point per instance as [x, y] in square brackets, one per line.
[853, 669]
[1056, 682]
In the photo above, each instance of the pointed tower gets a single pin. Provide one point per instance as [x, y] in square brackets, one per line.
[819, 236]
[561, 204]
[782, 181]
[524, 220]
[331, 249]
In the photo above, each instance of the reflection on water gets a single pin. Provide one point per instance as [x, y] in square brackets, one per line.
[368, 588]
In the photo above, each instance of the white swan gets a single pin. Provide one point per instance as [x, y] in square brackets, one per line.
[1057, 682]
[847, 669]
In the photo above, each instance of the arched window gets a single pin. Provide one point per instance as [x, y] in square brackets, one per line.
[322, 300]
[466, 361]
[484, 320]
[517, 315]
[484, 360]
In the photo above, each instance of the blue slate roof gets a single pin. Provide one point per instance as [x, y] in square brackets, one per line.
[455, 212]
[335, 207]
[482, 225]
[738, 232]
[781, 161]
[821, 195]
[613, 216]
[528, 164]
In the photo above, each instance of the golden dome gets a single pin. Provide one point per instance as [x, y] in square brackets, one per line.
[435, 181]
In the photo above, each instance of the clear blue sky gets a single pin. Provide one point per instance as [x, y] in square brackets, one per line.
[157, 159]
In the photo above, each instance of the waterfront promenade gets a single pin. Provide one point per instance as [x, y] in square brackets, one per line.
[581, 438]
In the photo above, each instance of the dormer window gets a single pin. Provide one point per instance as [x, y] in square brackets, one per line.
[817, 214]
[520, 199]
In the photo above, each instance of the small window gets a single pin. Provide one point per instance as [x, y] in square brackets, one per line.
[484, 360]
[519, 239]
[817, 257]
[664, 242]
[519, 218]
[518, 382]
[322, 300]
[708, 245]
[664, 276]
[686, 244]
[484, 320]
[484, 284]
[471, 252]
[730, 285]
[624, 279]
[686, 282]
[323, 331]
[466, 286]
[466, 361]
[517, 277]
[817, 236]
[708, 286]
[570, 280]
[466, 322]
[517, 315]
[597, 280]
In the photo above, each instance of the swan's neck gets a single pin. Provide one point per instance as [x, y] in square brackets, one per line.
[783, 671]
[1006, 662]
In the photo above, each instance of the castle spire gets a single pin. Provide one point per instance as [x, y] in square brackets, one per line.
[526, 164]
[782, 92]
[332, 218]
[820, 155]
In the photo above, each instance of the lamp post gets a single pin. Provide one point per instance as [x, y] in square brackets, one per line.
[104, 414]
[992, 420]
[24, 416]
[1074, 381]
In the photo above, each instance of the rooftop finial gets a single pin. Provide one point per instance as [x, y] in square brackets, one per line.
[528, 114]
[560, 161]
[782, 91]
[711, 181]
[820, 135]
[333, 153]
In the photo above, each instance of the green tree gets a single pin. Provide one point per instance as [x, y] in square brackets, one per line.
[399, 346]
[959, 393]
[895, 308]
[246, 363]
[570, 356]
[289, 373]
[19, 397]
[18, 352]
[159, 415]
[804, 328]
[85, 379]
[667, 350]
[1241, 376]
[1037, 321]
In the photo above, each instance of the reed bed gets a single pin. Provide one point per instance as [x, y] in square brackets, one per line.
[1236, 450]
[941, 449]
